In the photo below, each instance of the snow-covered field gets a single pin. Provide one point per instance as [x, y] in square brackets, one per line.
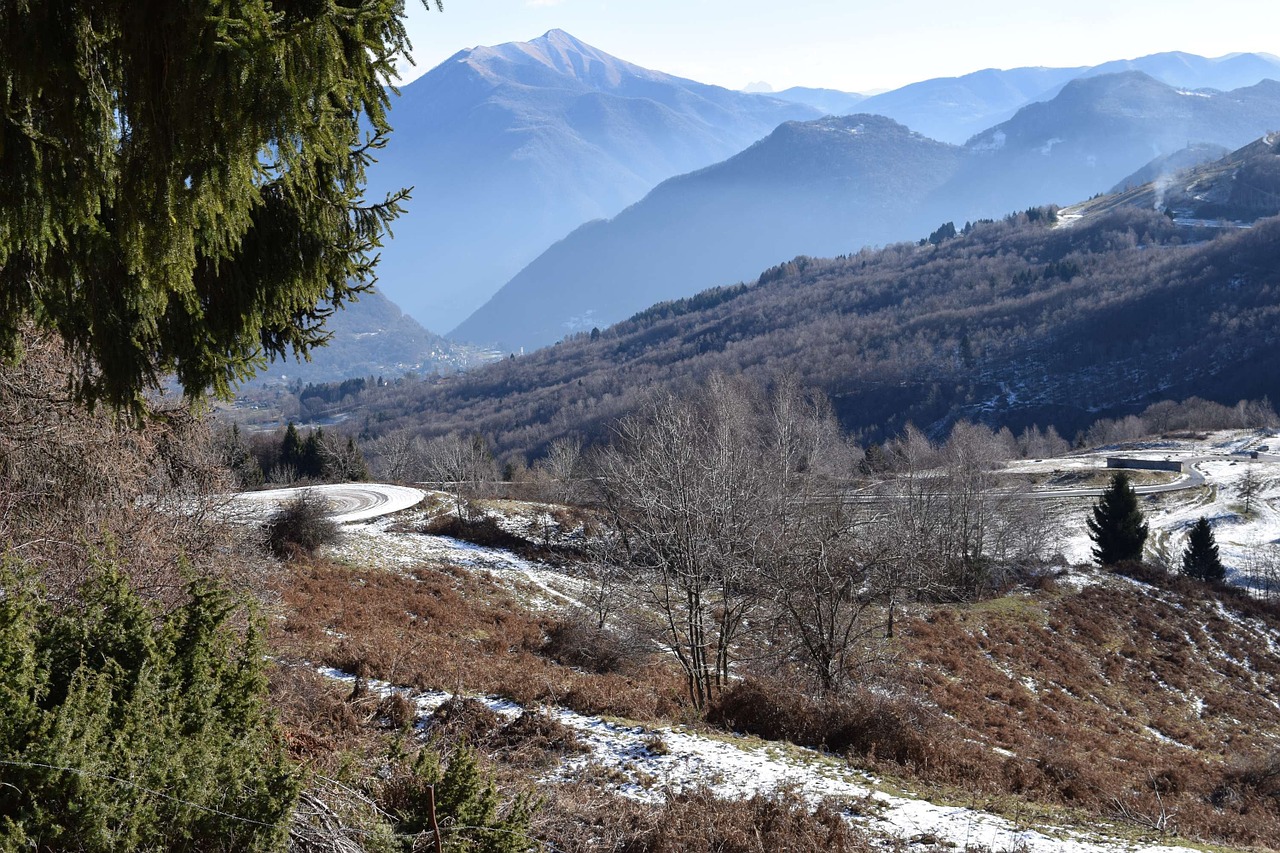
[384, 544]
[1224, 460]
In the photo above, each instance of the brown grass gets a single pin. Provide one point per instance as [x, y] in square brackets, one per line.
[1147, 706]
[452, 630]
[579, 818]
[862, 724]
[1095, 694]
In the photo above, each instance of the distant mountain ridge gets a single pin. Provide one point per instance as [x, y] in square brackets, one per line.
[832, 186]
[1098, 130]
[808, 186]
[509, 148]
[1239, 187]
[373, 337]
[953, 109]
[829, 101]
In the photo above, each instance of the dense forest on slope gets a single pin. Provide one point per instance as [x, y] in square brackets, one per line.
[1012, 322]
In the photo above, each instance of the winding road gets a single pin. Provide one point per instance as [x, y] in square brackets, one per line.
[1191, 478]
[347, 501]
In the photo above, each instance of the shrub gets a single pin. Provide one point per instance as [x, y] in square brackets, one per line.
[301, 526]
[123, 729]
[1140, 570]
[700, 821]
[484, 531]
[1251, 778]
[863, 724]
[462, 800]
[534, 732]
[577, 642]
[398, 711]
[462, 720]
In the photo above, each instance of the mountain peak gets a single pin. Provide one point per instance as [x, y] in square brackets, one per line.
[555, 54]
[560, 37]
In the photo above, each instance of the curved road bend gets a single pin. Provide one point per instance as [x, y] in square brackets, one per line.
[347, 501]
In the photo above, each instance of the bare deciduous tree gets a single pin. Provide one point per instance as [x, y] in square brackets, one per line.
[76, 485]
[562, 465]
[459, 463]
[730, 504]
[397, 456]
[684, 491]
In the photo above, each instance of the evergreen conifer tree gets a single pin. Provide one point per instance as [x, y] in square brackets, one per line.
[291, 447]
[1200, 560]
[181, 184]
[311, 460]
[1117, 528]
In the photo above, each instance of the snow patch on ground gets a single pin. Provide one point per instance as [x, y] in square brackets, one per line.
[389, 543]
[738, 767]
[1242, 540]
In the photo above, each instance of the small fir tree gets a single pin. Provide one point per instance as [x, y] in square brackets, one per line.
[1117, 528]
[291, 446]
[1200, 560]
[1250, 488]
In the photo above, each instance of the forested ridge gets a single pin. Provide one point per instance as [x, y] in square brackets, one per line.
[1013, 322]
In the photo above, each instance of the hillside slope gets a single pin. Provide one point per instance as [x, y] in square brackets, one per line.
[810, 188]
[1077, 711]
[835, 185]
[1240, 186]
[1097, 131]
[1017, 322]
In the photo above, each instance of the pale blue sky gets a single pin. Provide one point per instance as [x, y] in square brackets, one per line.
[851, 44]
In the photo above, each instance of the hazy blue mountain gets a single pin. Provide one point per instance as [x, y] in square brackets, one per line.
[511, 147]
[823, 187]
[1240, 186]
[953, 109]
[1188, 71]
[832, 186]
[1097, 131]
[829, 101]
[373, 337]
